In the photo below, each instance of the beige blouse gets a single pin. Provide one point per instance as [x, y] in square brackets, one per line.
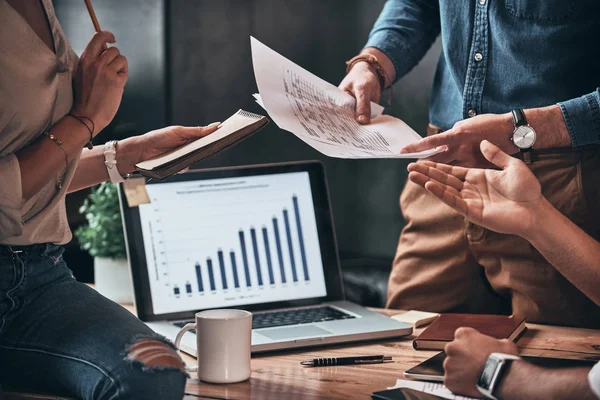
[35, 92]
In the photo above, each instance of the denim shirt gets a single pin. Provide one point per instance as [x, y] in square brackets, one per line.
[499, 55]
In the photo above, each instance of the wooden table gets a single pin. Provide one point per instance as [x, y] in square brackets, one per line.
[280, 376]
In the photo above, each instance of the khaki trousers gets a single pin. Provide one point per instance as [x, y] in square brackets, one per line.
[447, 264]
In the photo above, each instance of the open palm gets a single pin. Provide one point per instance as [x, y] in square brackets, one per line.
[500, 200]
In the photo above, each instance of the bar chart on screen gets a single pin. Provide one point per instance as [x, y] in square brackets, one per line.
[233, 241]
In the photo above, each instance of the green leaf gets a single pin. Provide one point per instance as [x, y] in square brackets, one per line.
[102, 236]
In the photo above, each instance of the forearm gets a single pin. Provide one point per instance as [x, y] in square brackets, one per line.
[524, 381]
[550, 127]
[404, 31]
[568, 248]
[43, 159]
[91, 169]
[385, 62]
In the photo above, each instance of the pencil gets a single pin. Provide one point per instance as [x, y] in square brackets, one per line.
[90, 9]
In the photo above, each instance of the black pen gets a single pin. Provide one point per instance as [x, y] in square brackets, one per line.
[325, 362]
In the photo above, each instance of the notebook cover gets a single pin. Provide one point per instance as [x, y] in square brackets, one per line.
[441, 331]
[238, 127]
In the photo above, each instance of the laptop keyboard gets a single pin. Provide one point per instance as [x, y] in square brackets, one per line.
[292, 317]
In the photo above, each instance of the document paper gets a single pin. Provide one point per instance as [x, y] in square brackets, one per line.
[436, 389]
[322, 115]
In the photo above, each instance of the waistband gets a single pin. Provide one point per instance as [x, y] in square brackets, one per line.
[32, 249]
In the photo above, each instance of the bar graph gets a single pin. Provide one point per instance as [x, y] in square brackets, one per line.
[245, 258]
[256, 256]
[300, 237]
[217, 247]
[199, 278]
[279, 252]
[236, 281]
[211, 274]
[288, 233]
[259, 247]
[222, 268]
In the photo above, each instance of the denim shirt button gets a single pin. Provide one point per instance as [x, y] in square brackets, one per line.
[478, 57]
[482, 2]
[471, 113]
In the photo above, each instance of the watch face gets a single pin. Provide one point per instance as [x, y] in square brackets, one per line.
[524, 137]
[487, 375]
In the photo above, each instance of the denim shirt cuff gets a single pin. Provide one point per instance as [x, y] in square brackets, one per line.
[387, 42]
[582, 116]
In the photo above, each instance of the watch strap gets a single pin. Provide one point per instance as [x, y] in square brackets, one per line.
[110, 161]
[519, 117]
[502, 360]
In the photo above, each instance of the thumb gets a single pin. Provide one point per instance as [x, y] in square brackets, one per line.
[493, 154]
[363, 107]
[196, 132]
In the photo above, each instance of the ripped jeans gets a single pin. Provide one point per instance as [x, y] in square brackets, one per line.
[60, 336]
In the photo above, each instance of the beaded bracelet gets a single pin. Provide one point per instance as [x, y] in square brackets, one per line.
[89, 144]
[59, 144]
[379, 69]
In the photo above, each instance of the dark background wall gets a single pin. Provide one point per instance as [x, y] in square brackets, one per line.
[190, 64]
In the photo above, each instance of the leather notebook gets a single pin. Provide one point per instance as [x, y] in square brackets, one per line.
[441, 331]
[239, 126]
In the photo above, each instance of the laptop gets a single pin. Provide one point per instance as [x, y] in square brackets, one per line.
[259, 238]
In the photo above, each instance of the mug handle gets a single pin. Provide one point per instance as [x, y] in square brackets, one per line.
[183, 330]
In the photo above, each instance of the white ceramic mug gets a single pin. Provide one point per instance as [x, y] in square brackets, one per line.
[223, 339]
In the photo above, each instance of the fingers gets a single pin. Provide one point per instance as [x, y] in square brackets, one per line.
[363, 107]
[448, 138]
[96, 45]
[196, 132]
[431, 171]
[447, 156]
[110, 55]
[120, 65]
[464, 332]
[445, 194]
[458, 172]
[496, 156]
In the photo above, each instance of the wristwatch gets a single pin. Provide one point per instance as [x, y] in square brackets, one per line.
[524, 135]
[110, 161]
[491, 375]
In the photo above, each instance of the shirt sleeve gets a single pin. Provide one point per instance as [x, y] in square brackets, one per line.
[405, 30]
[11, 197]
[582, 116]
[594, 378]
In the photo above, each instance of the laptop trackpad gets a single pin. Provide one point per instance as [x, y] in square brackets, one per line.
[294, 332]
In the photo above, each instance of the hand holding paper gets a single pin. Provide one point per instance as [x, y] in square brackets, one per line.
[322, 115]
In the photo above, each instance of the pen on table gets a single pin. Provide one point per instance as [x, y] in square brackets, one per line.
[325, 362]
[90, 9]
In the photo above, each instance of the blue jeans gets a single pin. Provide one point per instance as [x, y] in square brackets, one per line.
[60, 336]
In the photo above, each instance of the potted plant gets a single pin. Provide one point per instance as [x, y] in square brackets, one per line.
[103, 238]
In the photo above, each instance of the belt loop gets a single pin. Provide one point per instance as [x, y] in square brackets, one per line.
[14, 251]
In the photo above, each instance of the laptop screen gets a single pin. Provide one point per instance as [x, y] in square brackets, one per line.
[231, 241]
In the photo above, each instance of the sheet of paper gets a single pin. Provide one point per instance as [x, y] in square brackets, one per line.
[436, 389]
[322, 115]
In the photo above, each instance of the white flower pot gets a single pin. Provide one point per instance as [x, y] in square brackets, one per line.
[113, 280]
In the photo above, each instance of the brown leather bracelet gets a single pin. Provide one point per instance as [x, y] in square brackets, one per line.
[381, 73]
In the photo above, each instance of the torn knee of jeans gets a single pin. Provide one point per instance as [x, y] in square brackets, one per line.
[153, 354]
